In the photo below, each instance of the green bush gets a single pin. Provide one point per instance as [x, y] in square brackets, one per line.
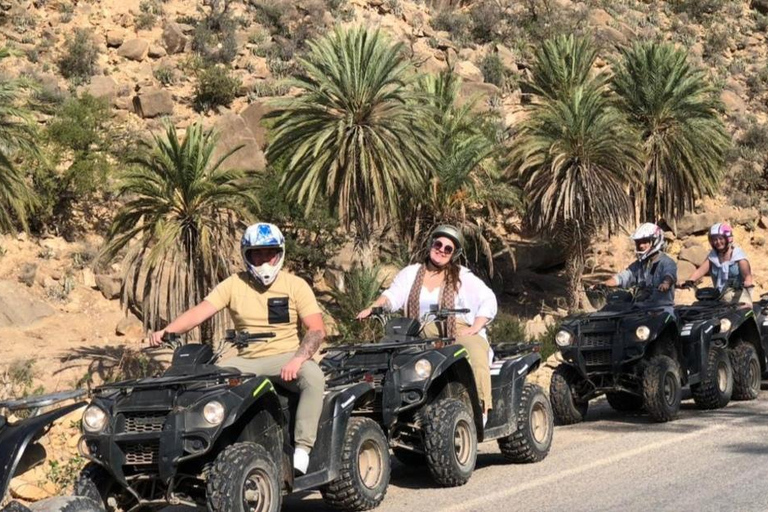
[78, 62]
[361, 286]
[458, 24]
[215, 87]
[311, 240]
[149, 10]
[166, 75]
[700, 10]
[547, 340]
[506, 328]
[493, 70]
[216, 45]
[485, 16]
[79, 133]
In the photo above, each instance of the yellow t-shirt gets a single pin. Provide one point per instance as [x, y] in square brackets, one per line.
[276, 309]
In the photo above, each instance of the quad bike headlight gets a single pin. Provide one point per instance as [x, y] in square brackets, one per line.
[643, 333]
[213, 412]
[94, 419]
[563, 338]
[423, 368]
[725, 325]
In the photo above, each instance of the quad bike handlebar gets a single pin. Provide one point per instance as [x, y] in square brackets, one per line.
[38, 402]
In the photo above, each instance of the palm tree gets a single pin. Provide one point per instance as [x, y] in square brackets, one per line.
[180, 223]
[575, 157]
[465, 188]
[675, 108]
[17, 136]
[562, 64]
[354, 134]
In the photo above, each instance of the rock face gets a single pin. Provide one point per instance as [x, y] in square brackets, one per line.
[18, 307]
[696, 224]
[174, 39]
[695, 254]
[252, 115]
[115, 38]
[469, 71]
[153, 103]
[102, 87]
[134, 49]
[130, 326]
[233, 132]
[109, 286]
[732, 102]
[684, 270]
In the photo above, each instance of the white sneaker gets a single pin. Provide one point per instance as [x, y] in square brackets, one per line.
[485, 418]
[300, 460]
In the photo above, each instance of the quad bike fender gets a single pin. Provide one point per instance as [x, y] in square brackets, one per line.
[508, 379]
[325, 461]
[15, 440]
[745, 328]
[407, 389]
[696, 338]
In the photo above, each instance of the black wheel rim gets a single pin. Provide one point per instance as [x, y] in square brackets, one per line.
[257, 491]
[754, 374]
[670, 389]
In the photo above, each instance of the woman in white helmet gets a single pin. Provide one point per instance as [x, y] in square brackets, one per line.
[440, 279]
[263, 298]
[728, 266]
[653, 268]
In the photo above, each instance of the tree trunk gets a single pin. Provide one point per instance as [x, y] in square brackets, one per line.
[574, 268]
[368, 244]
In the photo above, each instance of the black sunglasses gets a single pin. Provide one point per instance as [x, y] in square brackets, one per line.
[438, 246]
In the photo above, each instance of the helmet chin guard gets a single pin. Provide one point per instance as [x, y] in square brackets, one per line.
[652, 232]
[263, 236]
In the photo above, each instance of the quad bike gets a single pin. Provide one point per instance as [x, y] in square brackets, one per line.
[739, 331]
[203, 435]
[427, 402]
[20, 451]
[633, 352]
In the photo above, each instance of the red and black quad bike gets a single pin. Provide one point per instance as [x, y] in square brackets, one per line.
[21, 451]
[206, 436]
[427, 402]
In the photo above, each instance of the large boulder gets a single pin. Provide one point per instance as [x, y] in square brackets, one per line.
[233, 132]
[115, 38]
[684, 270]
[696, 254]
[130, 326]
[18, 308]
[174, 39]
[109, 286]
[153, 102]
[468, 71]
[101, 87]
[253, 115]
[733, 103]
[134, 49]
[696, 224]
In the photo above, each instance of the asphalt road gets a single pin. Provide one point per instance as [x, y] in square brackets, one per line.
[703, 461]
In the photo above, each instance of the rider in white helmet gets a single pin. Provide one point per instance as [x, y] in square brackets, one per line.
[653, 268]
[263, 298]
[727, 265]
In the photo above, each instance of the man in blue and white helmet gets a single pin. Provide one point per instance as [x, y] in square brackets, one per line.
[264, 298]
[652, 269]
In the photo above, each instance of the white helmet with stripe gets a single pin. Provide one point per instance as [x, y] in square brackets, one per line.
[653, 233]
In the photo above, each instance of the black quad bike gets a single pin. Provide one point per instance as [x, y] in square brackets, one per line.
[203, 435]
[427, 402]
[632, 351]
[738, 329]
[20, 450]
